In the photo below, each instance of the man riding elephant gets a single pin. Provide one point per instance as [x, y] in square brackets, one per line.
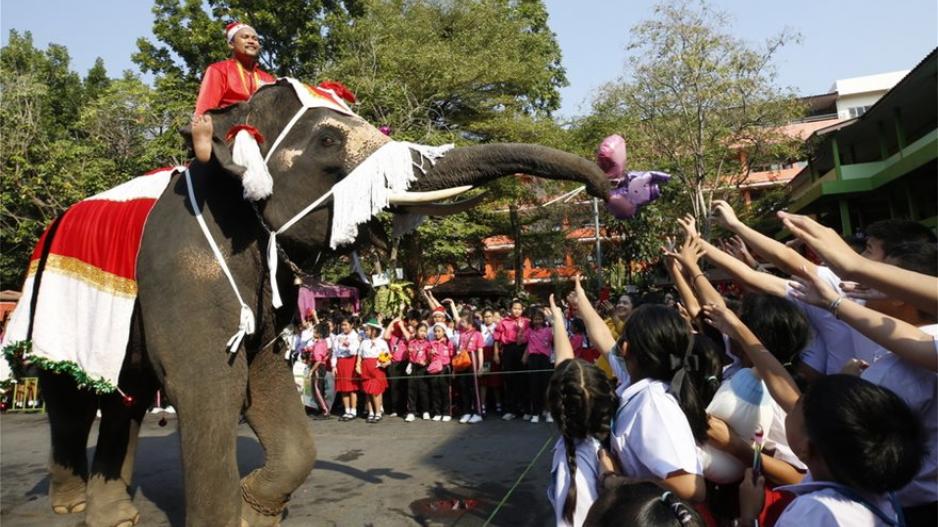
[301, 181]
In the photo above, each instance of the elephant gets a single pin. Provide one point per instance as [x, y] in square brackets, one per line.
[185, 310]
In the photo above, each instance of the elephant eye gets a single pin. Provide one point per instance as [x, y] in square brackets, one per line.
[327, 141]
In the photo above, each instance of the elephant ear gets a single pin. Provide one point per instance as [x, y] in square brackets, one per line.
[222, 121]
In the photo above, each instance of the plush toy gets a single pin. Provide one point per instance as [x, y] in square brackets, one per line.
[631, 190]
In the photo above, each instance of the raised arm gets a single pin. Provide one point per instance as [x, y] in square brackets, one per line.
[780, 384]
[898, 336]
[915, 288]
[784, 257]
[563, 350]
[752, 279]
[597, 330]
[675, 271]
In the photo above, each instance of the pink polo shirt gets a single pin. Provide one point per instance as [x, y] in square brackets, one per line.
[398, 348]
[507, 329]
[418, 351]
[321, 351]
[540, 341]
[440, 353]
[471, 340]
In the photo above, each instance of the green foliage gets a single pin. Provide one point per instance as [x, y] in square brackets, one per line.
[393, 298]
[696, 95]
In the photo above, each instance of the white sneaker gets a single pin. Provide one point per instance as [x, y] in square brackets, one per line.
[410, 418]
[169, 410]
[465, 418]
[392, 414]
[476, 418]
[156, 410]
[508, 417]
[549, 419]
[535, 419]
[98, 415]
[527, 417]
[426, 416]
[447, 418]
[436, 418]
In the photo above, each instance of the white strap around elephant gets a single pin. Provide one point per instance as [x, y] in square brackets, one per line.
[246, 322]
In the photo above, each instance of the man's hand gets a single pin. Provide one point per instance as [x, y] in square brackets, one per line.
[725, 215]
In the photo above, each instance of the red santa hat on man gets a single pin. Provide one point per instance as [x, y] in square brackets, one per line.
[232, 29]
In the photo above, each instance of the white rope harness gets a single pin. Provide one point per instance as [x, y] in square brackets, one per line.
[246, 324]
[359, 196]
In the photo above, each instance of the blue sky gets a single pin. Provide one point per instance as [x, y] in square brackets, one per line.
[841, 38]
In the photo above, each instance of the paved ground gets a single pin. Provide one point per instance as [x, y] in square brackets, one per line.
[389, 474]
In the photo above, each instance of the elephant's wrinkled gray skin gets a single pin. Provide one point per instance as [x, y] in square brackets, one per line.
[187, 311]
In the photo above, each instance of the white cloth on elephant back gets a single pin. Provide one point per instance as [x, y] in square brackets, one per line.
[88, 287]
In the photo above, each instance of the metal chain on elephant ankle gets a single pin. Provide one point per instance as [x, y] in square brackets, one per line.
[280, 252]
[266, 511]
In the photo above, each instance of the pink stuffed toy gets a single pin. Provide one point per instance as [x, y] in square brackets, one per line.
[631, 190]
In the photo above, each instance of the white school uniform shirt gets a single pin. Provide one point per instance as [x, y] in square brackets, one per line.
[370, 349]
[340, 350]
[587, 478]
[488, 335]
[918, 387]
[617, 365]
[650, 433]
[819, 505]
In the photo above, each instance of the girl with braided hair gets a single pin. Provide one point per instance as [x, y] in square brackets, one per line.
[581, 401]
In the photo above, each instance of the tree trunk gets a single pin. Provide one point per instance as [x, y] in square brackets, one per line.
[518, 253]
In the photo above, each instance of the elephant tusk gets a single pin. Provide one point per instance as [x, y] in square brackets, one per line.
[444, 209]
[418, 198]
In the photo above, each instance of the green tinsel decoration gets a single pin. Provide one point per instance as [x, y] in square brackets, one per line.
[17, 356]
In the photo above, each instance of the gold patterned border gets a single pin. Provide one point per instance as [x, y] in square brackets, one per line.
[75, 268]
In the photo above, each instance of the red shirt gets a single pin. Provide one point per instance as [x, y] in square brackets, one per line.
[418, 351]
[226, 83]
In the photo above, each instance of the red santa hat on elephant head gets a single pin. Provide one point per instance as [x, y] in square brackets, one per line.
[232, 29]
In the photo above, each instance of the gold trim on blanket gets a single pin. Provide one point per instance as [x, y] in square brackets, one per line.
[103, 280]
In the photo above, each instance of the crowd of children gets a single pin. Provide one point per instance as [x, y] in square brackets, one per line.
[808, 400]
[811, 400]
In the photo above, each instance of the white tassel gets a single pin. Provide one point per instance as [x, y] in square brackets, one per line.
[256, 180]
[365, 191]
[245, 327]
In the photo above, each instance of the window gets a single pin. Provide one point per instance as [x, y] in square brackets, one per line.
[857, 111]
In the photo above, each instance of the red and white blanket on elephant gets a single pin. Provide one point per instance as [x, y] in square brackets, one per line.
[89, 284]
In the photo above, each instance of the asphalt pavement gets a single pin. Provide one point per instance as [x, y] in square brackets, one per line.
[387, 474]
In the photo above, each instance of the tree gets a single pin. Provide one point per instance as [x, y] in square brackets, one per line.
[696, 96]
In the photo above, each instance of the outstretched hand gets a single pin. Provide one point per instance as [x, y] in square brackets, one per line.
[722, 318]
[725, 215]
[751, 496]
[689, 254]
[555, 310]
[824, 241]
[689, 225]
[812, 289]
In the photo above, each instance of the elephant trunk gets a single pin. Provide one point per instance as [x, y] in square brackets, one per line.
[475, 165]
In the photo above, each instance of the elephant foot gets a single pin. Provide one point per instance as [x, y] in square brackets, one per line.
[254, 513]
[68, 497]
[109, 505]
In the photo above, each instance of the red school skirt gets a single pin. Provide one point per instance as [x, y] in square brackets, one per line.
[345, 378]
[374, 381]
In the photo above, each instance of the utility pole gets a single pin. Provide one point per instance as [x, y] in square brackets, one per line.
[599, 249]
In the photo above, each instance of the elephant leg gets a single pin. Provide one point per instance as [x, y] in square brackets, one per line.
[109, 502]
[276, 415]
[71, 414]
[208, 407]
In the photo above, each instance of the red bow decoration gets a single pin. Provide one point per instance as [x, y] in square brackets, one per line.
[340, 89]
[233, 131]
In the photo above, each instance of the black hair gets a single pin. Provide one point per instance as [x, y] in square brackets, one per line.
[708, 373]
[867, 436]
[641, 505]
[515, 301]
[581, 401]
[413, 314]
[778, 323]
[921, 257]
[577, 325]
[895, 232]
[322, 329]
[661, 346]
